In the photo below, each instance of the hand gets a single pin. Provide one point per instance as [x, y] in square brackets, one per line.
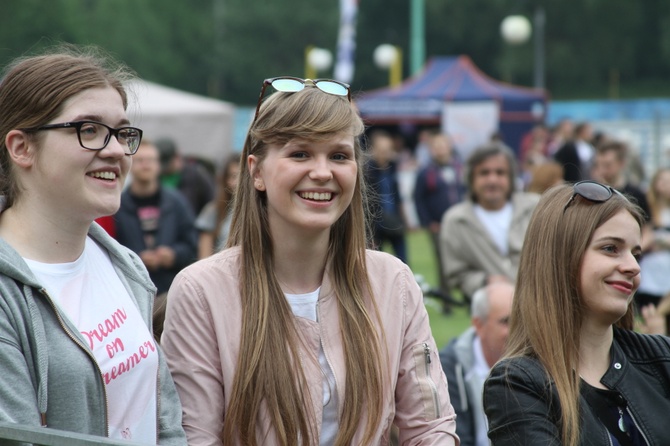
[652, 321]
[497, 278]
[166, 256]
[150, 259]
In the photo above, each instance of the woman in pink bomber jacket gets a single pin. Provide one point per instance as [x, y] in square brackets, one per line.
[296, 334]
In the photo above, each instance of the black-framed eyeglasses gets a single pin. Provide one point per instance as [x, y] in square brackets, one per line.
[289, 84]
[592, 191]
[95, 135]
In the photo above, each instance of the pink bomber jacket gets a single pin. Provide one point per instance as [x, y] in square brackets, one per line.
[201, 342]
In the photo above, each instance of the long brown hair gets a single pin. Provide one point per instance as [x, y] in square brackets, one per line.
[656, 201]
[34, 89]
[224, 195]
[269, 371]
[548, 307]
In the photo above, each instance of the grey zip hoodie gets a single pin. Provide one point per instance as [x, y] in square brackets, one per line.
[47, 374]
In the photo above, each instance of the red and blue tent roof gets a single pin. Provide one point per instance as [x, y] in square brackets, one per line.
[449, 79]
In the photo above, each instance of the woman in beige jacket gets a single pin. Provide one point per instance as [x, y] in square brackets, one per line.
[296, 334]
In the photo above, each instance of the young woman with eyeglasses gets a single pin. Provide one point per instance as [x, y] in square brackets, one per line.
[76, 347]
[575, 372]
[298, 335]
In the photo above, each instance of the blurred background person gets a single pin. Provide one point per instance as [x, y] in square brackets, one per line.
[576, 155]
[157, 223]
[481, 237]
[467, 359]
[213, 223]
[187, 176]
[381, 172]
[560, 134]
[545, 176]
[655, 262]
[610, 168]
[438, 186]
[533, 150]
[422, 149]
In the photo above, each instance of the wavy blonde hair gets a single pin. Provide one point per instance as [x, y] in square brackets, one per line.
[269, 373]
[548, 307]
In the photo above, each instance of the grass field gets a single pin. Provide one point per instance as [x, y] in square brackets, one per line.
[422, 261]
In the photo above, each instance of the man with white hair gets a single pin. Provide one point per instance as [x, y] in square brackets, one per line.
[467, 359]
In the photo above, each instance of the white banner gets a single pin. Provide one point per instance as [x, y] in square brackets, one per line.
[470, 124]
[346, 41]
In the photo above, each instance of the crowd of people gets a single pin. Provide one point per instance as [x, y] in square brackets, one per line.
[145, 298]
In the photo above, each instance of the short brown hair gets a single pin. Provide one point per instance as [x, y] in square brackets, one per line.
[619, 148]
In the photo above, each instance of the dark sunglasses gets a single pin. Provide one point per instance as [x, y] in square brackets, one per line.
[288, 84]
[592, 191]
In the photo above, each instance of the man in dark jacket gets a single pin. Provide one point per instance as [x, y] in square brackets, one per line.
[576, 155]
[467, 359]
[438, 186]
[156, 222]
[386, 204]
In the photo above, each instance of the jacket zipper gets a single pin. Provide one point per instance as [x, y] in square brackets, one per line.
[325, 354]
[86, 350]
[637, 425]
[433, 387]
[460, 382]
[158, 398]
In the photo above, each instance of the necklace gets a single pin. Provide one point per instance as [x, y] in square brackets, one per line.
[288, 290]
[622, 425]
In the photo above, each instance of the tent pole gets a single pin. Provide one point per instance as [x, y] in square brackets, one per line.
[417, 37]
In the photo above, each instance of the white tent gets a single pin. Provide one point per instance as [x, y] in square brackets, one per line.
[200, 126]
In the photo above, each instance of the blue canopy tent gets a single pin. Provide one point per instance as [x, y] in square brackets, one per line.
[421, 100]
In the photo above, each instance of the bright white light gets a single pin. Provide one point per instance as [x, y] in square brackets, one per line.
[515, 29]
[319, 59]
[385, 56]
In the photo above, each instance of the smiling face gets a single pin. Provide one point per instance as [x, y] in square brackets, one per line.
[609, 273]
[66, 179]
[308, 184]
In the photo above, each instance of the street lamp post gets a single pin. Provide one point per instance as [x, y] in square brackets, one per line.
[417, 35]
[316, 59]
[516, 29]
[538, 58]
[389, 57]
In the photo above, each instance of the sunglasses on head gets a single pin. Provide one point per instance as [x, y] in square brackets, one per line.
[592, 191]
[288, 84]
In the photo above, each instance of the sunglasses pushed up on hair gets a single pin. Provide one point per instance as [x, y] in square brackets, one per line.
[288, 84]
[592, 191]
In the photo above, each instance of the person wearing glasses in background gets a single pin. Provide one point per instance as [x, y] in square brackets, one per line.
[76, 347]
[575, 372]
[298, 335]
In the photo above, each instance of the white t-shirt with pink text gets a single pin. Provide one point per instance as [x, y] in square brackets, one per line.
[93, 297]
